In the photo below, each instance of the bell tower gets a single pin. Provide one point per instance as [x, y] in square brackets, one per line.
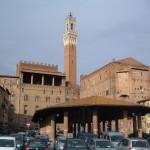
[70, 44]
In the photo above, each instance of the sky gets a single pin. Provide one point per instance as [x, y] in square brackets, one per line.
[32, 30]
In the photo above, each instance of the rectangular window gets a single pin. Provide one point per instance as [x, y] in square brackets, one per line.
[107, 92]
[52, 92]
[26, 97]
[71, 26]
[57, 99]
[37, 99]
[47, 99]
[141, 87]
[36, 107]
[25, 109]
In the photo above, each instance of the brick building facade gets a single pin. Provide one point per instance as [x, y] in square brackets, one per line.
[7, 115]
[126, 79]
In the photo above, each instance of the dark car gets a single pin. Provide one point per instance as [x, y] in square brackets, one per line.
[75, 144]
[87, 137]
[44, 138]
[36, 145]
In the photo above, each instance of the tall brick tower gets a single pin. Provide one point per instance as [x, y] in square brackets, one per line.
[70, 44]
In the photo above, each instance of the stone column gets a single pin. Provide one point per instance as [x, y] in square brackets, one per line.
[134, 125]
[42, 79]
[86, 127]
[62, 82]
[65, 124]
[53, 128]
[95, 122]
[21, 78]
[125, 123]
[106, 124]
[53, 81]
[31, 78]
[139, 119]
[48, 127]
[101, 126]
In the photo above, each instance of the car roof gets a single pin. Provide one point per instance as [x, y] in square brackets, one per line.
[74, 139]
[7, 137]
[101, 140]
[112, 133]
[139, 139]
[61, 137]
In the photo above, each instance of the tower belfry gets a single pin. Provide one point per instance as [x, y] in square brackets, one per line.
[70, 44]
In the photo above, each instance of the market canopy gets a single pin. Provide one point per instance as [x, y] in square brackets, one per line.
[103, 104]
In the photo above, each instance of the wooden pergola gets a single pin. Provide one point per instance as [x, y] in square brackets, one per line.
[91, 114]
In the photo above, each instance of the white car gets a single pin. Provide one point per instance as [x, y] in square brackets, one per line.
[101, 144]
[133, 144]
[7, 143]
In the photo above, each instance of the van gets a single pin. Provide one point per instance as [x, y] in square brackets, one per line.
[114, 137]
[7, 143]
[20, 139]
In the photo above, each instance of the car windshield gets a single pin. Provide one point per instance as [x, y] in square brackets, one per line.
[116, 138]
[62, 141]
[139, 144]
[76, 144]
[103, 144]
[7, 143]
[36, 144]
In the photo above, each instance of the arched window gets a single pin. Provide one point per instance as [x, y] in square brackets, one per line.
[71, 26]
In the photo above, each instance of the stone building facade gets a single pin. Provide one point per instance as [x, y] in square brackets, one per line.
[36, 86]
[146, 118]
[41, 86]
[6, 110]
[12, 83]
[126, 79]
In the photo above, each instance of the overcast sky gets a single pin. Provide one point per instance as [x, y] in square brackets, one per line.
[32, 30]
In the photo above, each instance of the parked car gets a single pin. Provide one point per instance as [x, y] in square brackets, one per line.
[75, 144]
[36, 145]
[20, 139]
[147, 137]
[44, 138]
[87, 137]
[101, 144]
[7, 143]
[133, 144]
[114, 137]
[59, 143]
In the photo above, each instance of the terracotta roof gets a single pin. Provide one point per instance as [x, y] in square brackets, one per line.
[132, 62]
[94, 101]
